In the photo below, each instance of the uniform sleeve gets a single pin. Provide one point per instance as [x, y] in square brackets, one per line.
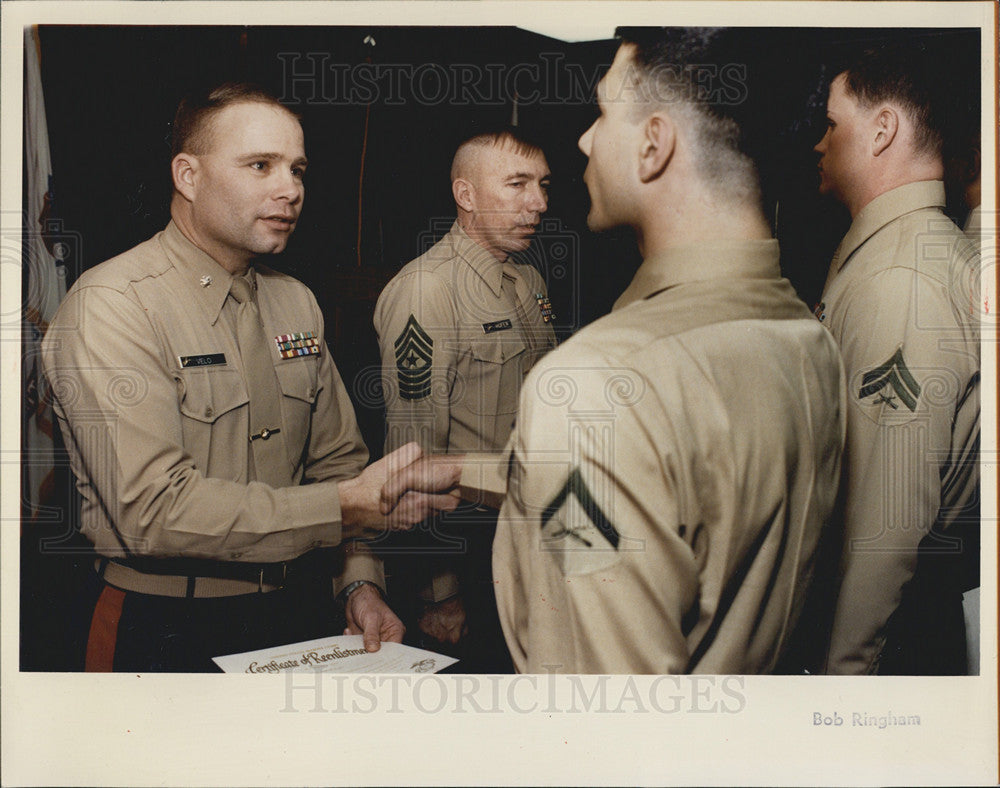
[590, 572]
[907, 370]
[417, 336]
[117, 404]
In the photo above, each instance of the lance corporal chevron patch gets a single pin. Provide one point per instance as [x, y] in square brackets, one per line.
[891, 381]
[577, 531]
[414, 350]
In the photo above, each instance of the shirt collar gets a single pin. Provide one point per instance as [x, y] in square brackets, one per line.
[204, 280]
[481, 261]
[713, 260]
[884, 209]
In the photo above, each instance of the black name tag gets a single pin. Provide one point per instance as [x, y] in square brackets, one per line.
[207, 360]
[499, 325]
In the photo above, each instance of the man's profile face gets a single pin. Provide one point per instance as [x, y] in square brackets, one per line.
[248, 186]
[509, 194]
[844, 150]
[608, 145]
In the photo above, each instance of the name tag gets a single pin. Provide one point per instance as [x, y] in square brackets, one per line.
[499, 325]
[206, 360]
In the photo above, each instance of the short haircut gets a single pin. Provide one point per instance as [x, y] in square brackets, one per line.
[511, 137]
[900, 72]
[191, 130]
[671, 66]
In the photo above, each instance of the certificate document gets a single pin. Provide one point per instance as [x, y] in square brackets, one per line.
[339, 654]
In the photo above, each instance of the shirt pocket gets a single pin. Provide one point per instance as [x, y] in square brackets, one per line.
[214, 424]
[498, 369]
[297, 378]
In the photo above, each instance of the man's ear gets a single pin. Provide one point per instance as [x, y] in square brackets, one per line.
[658, 140]
[184, 169]
[886, 126]
[975, 165]
[464, 194]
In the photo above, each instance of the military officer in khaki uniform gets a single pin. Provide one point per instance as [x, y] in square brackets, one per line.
[215, 449]
[459, 327]
[902, 301]
[673, 463]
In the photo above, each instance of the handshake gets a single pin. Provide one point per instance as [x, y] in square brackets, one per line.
[399, 491]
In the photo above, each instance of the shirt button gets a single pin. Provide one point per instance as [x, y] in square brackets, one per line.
[236, 555]
[209, 412]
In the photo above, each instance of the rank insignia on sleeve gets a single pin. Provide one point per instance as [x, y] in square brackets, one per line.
[301, 343]
[545, 307]
[890, 384]
[577, 531]
[414, 350]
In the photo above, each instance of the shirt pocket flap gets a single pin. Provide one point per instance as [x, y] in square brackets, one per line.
[498, 351]
[297, 378]
[206, 394]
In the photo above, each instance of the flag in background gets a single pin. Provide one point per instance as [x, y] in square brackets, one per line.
[44, 252]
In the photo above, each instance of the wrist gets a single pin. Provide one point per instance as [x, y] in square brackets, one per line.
[347, 491]
[344, 596]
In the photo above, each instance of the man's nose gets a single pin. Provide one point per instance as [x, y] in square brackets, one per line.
[288, 187]
[537, 200]
[585, 140]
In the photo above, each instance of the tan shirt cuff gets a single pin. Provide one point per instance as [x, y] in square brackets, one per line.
[360, 563]
[484, 478]
[442, 586]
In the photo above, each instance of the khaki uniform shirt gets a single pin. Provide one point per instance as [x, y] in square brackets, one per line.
[673, 465]
[902, 302]
[149, 391]
[456, 346]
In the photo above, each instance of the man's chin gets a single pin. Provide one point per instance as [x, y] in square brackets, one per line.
[596, 223]
[271, 246]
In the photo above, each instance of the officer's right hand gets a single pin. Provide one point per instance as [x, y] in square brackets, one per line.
[360, 498]
[436, 475]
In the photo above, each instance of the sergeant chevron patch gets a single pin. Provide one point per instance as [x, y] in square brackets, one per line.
[414, 350]
[891, 381]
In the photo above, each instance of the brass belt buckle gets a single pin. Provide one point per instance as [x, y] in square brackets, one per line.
[284, 577]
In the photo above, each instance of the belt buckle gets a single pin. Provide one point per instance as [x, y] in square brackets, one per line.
[284, 577]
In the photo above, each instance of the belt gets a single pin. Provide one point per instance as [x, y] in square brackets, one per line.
[226, 579]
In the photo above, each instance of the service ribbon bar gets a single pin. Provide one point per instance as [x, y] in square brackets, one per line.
[302, 343]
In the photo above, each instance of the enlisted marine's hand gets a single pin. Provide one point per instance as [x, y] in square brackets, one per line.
[369, 615]
[361, 512]
[437, 475]
[445, 621]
